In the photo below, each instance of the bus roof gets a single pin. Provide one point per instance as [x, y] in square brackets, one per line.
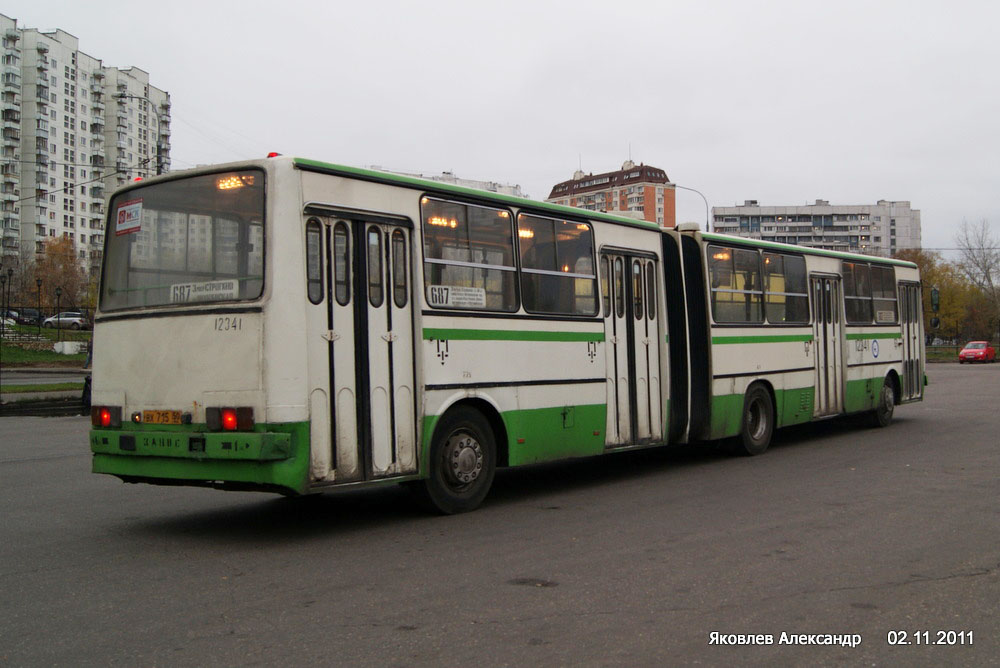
[521, 202]
[437, 186]
[759, 243]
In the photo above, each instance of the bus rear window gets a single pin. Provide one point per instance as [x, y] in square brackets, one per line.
[193, 240]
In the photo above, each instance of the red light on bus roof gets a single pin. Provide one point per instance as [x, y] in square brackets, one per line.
[105, 417]
[273, 154]
[138, 178]
[229, 421]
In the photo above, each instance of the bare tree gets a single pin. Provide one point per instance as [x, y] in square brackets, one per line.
[980, 262]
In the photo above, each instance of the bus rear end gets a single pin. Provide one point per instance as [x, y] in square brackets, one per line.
[178, 373]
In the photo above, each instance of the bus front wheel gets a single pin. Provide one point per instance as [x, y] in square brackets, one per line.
[758, 421]
[462, 462]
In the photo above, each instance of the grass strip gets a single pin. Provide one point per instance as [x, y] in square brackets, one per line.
[41, 387]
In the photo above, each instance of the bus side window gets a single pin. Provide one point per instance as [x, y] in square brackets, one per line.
[857, 293]
[341, 264]
[787, 296]
[469, 247]
[375, 272]
[737, 288]
[557, 266]
[314, 261]
[884, 295]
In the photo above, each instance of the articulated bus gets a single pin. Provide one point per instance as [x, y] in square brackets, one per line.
[294, 326]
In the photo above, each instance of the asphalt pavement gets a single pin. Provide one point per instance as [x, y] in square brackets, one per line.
[839, 531]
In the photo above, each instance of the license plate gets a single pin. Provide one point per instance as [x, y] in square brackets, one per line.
[161, 417]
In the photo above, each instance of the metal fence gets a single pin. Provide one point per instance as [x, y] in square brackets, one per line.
[37, 316]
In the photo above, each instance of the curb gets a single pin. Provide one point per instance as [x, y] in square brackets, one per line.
[45, 370]
[22, 397]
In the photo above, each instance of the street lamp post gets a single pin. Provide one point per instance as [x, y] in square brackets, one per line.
[58, 319]
[159, 142]
[38, 319]
[707, 229]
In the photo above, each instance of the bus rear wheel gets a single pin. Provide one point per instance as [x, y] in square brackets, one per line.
[882, 416]
[758, 421]
[462, 462]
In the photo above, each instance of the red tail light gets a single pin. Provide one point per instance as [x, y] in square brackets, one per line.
[229, 419]
[106, 416]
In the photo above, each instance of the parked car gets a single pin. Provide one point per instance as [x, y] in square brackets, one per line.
[28, 316]
[7, 322]
[8, 313]
[70, 319]
[977, 351]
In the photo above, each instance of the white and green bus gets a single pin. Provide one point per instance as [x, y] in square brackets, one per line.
[296, 326]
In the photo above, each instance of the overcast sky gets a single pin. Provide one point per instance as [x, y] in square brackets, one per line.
[782, 102]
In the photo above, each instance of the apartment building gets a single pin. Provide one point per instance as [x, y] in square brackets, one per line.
[73, 130]
[872, 229]
[641, 191]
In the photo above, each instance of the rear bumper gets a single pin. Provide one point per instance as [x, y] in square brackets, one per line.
[273, 457]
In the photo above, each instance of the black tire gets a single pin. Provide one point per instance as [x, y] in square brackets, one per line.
[462, 462]
[882, 415]
[758, 421]
[75, 325]
[47, 325]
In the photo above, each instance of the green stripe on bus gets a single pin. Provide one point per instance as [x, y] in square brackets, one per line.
[877, 335]
[773, 338]
[508, 335]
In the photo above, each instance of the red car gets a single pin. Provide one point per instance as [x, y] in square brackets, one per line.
[977, 351]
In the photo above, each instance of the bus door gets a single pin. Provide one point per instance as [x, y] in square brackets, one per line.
[632, 359]
[368, 336]
[910, 319]
[828, 342]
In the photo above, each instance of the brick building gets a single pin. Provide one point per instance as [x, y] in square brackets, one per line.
[640, 191]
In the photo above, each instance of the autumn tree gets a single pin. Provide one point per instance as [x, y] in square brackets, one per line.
[59, 267]
[954, 291]
[980, 263]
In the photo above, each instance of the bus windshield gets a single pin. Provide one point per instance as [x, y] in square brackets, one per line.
[193, 240]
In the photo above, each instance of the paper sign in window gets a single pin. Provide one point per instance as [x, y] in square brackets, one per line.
[456, 296]
[128, 218]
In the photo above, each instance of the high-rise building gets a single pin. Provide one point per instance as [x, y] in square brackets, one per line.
[73, 130]
[641, 191]
[872, 229]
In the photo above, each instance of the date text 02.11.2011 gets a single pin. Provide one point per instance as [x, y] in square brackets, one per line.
[929, 637]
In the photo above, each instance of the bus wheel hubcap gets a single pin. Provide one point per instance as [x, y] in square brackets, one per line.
[463, 458]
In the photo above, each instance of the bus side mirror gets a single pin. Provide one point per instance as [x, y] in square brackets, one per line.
[935, 301]
[935, 322]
